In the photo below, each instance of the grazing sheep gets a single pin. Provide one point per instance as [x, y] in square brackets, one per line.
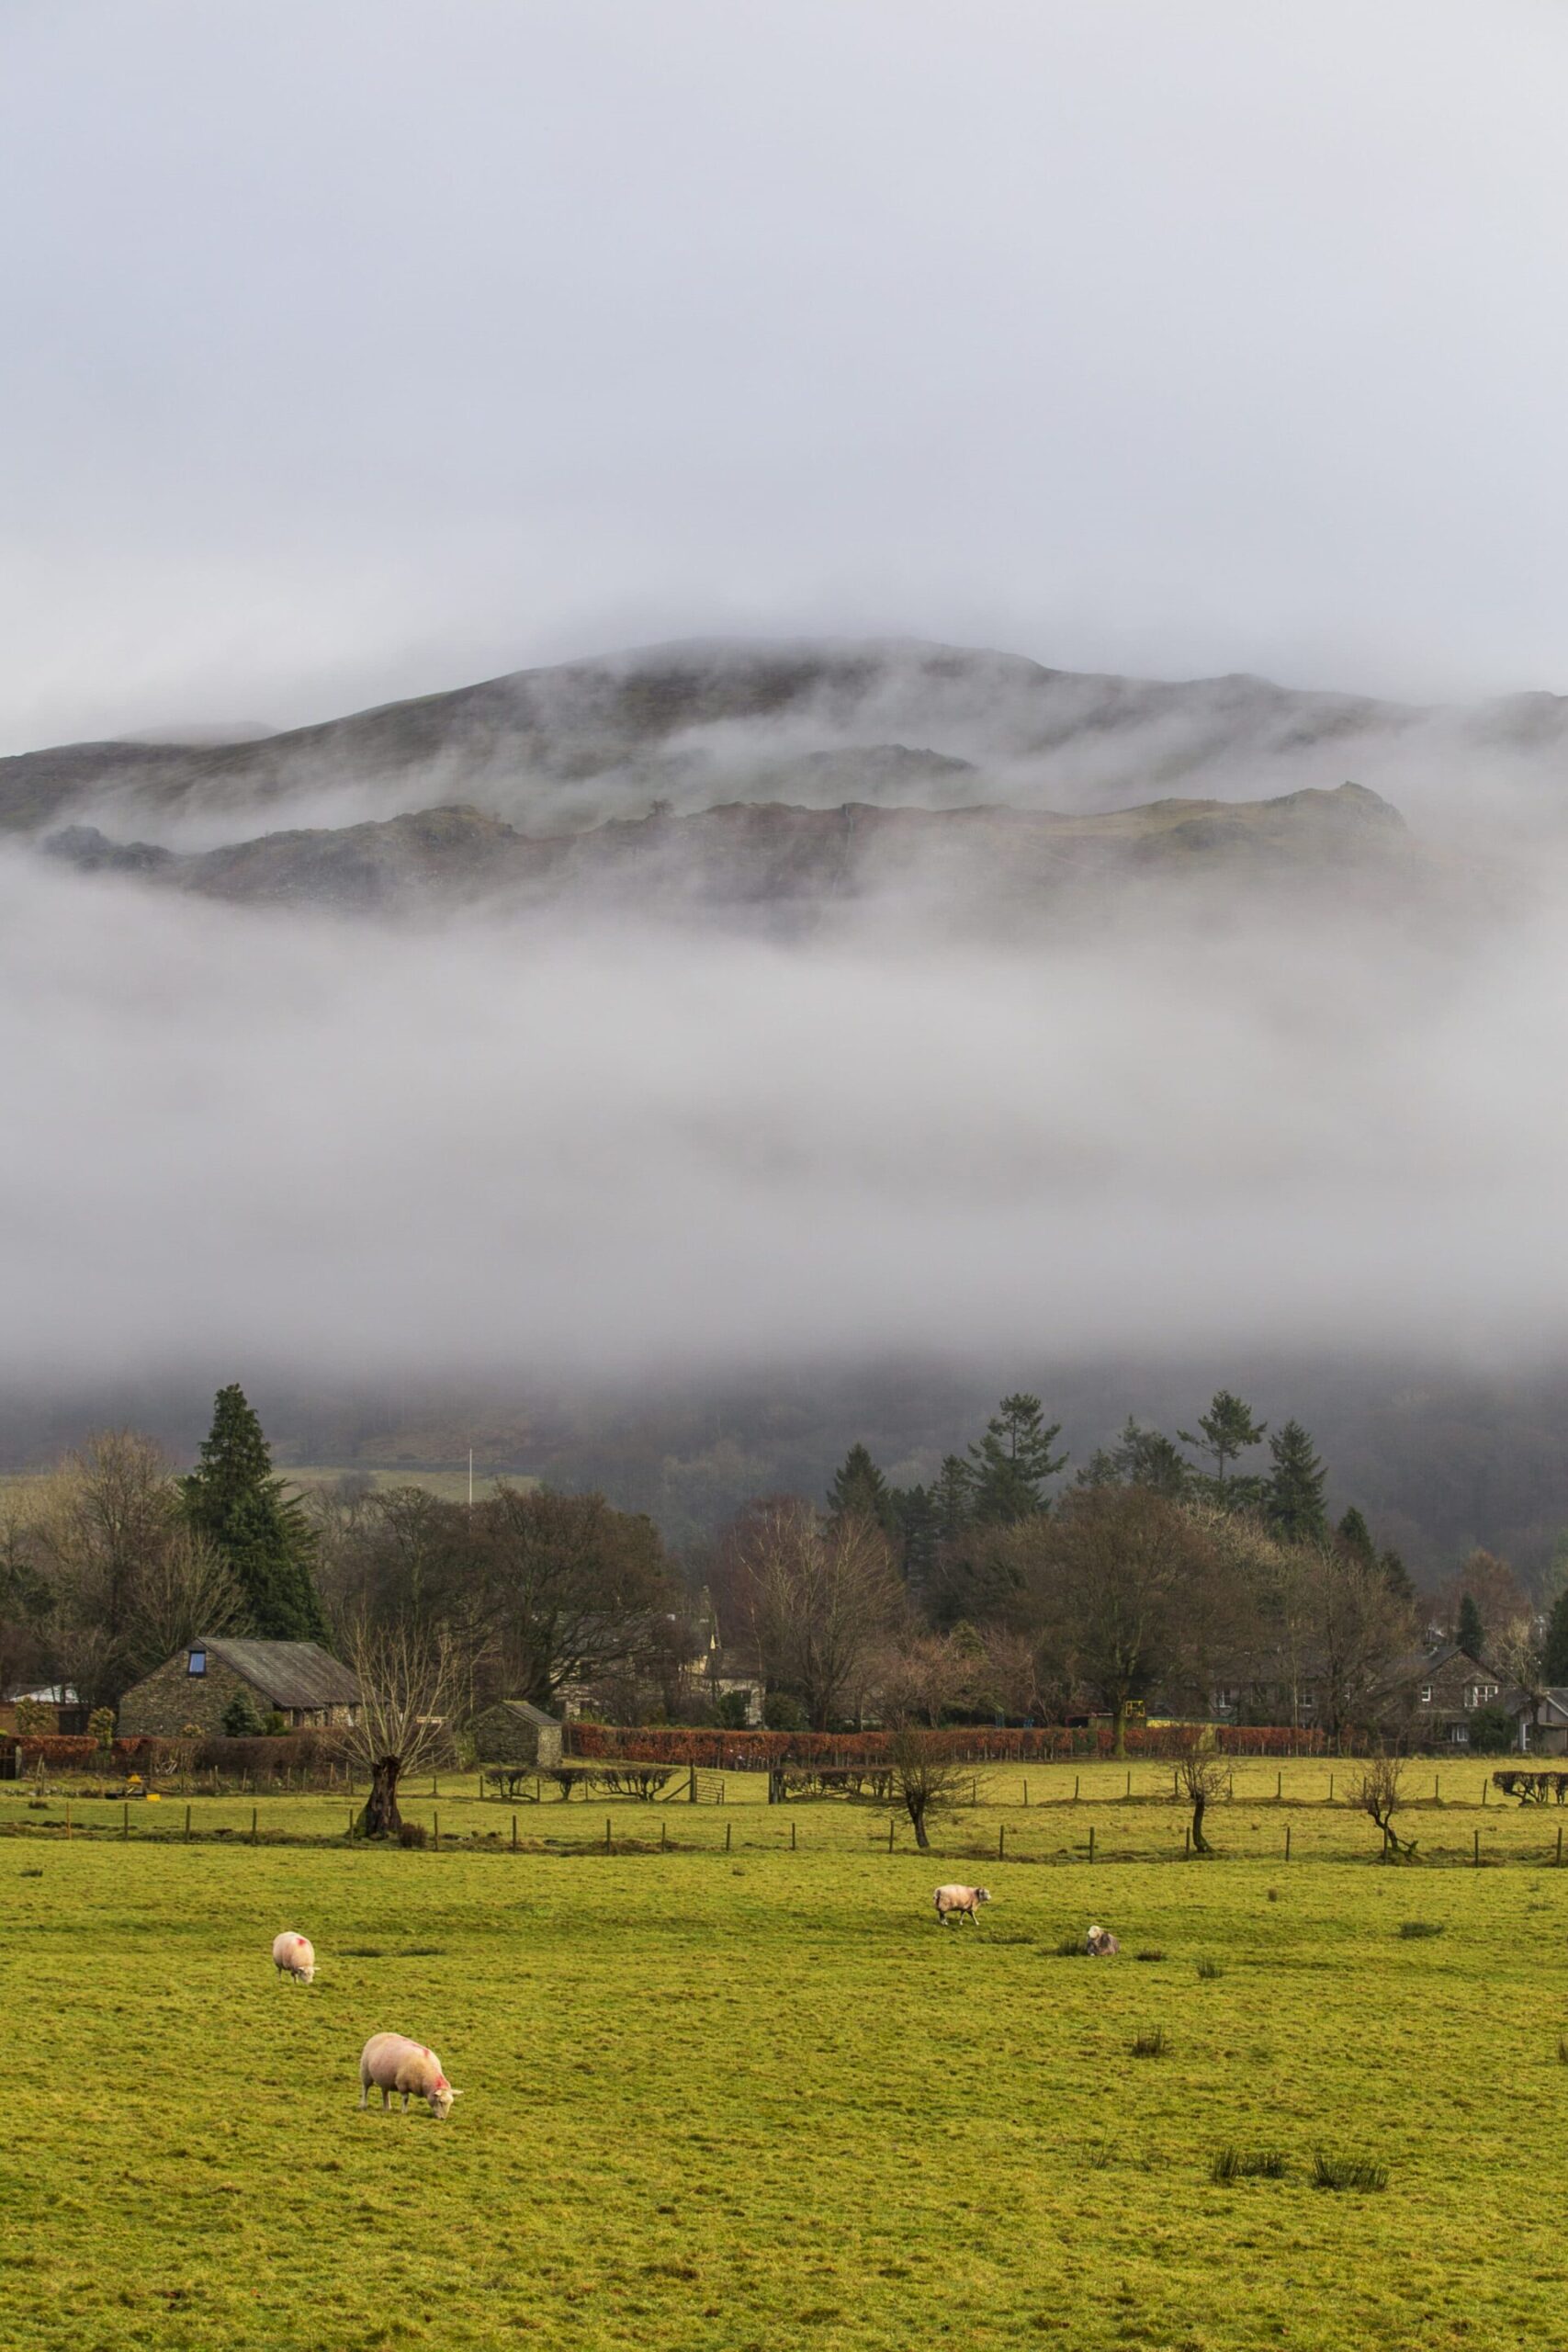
[393, 2063]
[1100, 1944]
[293, 1956]
[962, 1901]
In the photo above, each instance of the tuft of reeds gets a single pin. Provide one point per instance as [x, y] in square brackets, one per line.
[1153, 1953]
[1208, 1968]
[1247, 2164]
[1151, 2044]
[1071, 1948]
[1413, 1930]
[1348, 2172]
[1561, 2039]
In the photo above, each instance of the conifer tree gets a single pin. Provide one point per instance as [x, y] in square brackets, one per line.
[1293, 1493]
[919, 1530]
[1354, 1537]
[1224, 1433]
[1471, 1632]
[1396, 1576]
[1013, 1461]
[1139, 1458]
[953, 1497]
[234, 1498]
[1554, 1650]
[859, 1490]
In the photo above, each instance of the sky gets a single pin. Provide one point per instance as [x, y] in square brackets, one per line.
[360, 347]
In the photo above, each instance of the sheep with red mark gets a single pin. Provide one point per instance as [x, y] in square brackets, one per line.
[294, 1955]
[391, 2063]
[959, 1903]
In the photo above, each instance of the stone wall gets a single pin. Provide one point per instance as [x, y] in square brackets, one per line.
[170, 1698]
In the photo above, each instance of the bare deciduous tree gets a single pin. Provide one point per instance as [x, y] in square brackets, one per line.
[819, 1592]
[1518, 1652]
[406, 1683]
[1377, 1789]
[185, 1590]
[1200, 1774]
[924, 1775]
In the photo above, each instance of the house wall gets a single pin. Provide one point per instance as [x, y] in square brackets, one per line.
[170, 1698]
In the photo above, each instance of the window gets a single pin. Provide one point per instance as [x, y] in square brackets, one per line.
[1426, 1694]
[197, 1663]
[1459, 1735]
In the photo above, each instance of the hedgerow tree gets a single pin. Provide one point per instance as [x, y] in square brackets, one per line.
[924, 1775]
[407, 1687]
[234, 1498]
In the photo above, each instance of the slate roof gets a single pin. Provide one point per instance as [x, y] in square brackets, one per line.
[529, 1713]
[291, 1674]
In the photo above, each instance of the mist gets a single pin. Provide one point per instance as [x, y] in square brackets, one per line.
[584, 1143]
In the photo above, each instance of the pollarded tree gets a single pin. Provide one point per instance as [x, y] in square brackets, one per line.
[1013, 1460]
[408, 1686]
[234, 1498]
[1293, 1493]
[924, 1775]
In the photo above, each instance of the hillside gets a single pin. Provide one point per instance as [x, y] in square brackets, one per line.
[886, 723]
[745, 858]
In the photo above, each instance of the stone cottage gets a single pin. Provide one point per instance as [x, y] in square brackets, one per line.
[295, 1679]
[516, 1732]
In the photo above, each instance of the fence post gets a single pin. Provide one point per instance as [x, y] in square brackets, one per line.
[125, 1821]
[253, 1825]
[1560, 1845]
[1279, 1788]
[1484, 1786]
[515, 1833]
[607, 1833]
[1186, 1843]
[663, 1833]
[692, 1786]
[974, 1792]
[1287, 1841]
[1436, 1785]
[1477, 1856]
[437, 1836]
[727, 1827]
[187, 1825]
[1331, 1788]
[350, 1829]
[890, 1833]
[1026, 1796]
[1002, 1841]
[1092, 1841]
[1076, 1787]
[792, 1841]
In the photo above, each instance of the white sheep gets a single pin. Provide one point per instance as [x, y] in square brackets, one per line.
[393, 2063]
[961, 1901]
[294, 1955]
[1100, 1944]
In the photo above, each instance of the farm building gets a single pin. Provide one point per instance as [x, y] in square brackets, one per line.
[1547, 1735]
[295, 1679]
[1432, 1694]
[516, 1732]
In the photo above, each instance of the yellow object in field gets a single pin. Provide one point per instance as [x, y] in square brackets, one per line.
[154, 1798]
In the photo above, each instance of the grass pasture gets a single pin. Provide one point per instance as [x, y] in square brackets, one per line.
[730, 2102]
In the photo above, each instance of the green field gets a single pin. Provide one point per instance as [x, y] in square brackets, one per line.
[758, 2098]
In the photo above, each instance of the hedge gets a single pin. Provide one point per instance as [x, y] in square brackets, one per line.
[754, 1751]
[75, 1747]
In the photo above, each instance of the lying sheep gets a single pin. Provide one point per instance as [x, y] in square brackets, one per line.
[293, 1956]
[962, 1902]
[1100, 1944]
[393, 2063]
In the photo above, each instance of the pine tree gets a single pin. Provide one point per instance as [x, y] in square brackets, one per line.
[1554, 1650]
[859, 1490]
[1225, 1431]
[1293, 1493]
[953, 1497]
[919, 1530]
[1013, 1460]
[1470, 1633]
[1354, 1537]
[1396, 1576]
[233, 1497]
[1139, 1458]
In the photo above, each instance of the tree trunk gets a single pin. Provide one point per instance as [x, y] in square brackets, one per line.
[1119, 1723]
[917, 1813]
[1199, 1843]
[380, 1817]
